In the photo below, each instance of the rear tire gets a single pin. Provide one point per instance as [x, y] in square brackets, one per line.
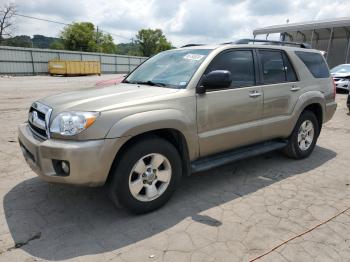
[303, 139]
[145, 175]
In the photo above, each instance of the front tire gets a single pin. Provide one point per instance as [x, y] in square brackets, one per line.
[303, 139]
[145, 175]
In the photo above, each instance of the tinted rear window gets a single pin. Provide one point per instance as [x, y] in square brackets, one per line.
[315, 63]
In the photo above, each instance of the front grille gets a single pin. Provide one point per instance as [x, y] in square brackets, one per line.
[38, 131]
[38, 119]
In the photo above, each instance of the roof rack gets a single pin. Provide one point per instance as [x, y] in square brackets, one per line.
[189, 45]
[247, 41]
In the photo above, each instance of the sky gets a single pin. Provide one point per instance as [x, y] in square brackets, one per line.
[182, 21]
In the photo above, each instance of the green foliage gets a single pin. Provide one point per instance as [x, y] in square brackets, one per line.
[152, 41]
[84, 37]
[129, 49]
[58, 45]
[106, 45]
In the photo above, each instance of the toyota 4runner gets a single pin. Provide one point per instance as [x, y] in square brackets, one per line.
[184, 110]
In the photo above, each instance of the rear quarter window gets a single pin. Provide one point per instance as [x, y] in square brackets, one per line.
[315, 63]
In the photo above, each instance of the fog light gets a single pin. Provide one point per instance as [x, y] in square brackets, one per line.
[61, 167]
[65, 167]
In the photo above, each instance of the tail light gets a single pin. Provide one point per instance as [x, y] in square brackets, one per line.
[334, 89]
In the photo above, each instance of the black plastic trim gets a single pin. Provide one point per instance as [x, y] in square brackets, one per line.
[220, 159]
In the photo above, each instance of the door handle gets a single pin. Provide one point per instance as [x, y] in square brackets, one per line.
[295, 88]
[254, 93]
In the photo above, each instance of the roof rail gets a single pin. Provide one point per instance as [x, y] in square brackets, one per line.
[247, 41]
[189, 45]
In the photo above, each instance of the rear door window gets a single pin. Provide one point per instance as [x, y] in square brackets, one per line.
[315, 63]
[273, 70]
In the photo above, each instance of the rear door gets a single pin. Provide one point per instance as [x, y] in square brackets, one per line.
[281, 90]
[229, 117]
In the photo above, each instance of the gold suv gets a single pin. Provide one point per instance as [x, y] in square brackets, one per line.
[184, 110]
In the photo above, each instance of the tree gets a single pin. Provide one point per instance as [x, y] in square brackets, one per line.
[84, 37]
[152, 41]
[129, 49]
[58, 45]
[105, 44]
[6, 16]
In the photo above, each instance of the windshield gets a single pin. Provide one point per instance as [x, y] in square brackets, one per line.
[173, 68]
[341, 69]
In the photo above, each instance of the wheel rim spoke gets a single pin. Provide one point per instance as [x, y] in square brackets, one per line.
[308, 127]
[164, 175]
[151, 191]
[309, 139]
[157, 160]
[299, 138]
[136, 186]
[140, 167]
[303, 126]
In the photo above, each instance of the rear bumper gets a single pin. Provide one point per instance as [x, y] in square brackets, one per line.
[89, 161]
[329, 111]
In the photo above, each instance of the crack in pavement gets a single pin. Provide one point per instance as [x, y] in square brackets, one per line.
[21, 244]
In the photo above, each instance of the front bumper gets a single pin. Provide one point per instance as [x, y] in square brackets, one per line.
[89, 161]
[343, 84]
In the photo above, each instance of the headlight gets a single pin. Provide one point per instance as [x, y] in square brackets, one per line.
[72, 123]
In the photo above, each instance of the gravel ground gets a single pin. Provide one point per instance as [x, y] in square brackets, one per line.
[234, 213]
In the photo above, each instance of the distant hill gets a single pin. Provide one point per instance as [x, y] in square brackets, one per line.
[41, 41]
[38, 41]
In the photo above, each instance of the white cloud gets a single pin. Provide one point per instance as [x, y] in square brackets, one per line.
[183, 21]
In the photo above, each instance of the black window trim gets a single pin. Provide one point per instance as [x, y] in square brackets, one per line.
[255, 63]
[296, 73]
[261, 75]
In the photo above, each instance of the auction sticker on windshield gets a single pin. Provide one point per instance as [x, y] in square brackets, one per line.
[195, 57]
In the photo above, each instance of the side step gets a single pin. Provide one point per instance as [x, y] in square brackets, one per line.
[220, 159]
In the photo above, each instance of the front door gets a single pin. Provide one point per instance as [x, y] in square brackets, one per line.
[229, 118]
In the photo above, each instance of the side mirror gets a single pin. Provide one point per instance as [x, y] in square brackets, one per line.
[217, 79]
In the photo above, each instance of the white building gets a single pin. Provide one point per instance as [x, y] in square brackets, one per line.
[332, 36]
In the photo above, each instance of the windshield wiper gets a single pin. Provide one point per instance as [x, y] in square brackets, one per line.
[149, 82]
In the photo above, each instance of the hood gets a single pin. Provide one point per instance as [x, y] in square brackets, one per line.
[106, 98]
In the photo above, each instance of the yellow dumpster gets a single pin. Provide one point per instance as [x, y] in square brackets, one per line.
[67, 67]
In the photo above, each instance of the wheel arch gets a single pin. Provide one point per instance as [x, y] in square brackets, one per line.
[313, 101]
[316, 108]
[173, 136]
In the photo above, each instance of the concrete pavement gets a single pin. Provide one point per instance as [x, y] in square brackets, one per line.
[233, 213]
